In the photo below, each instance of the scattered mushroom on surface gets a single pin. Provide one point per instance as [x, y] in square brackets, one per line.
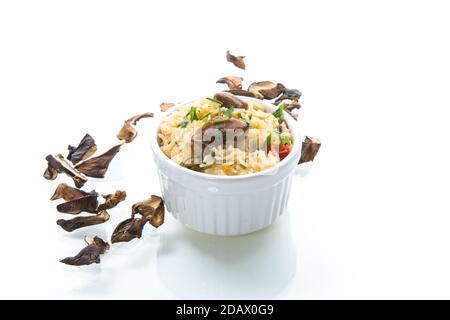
[238, 61]
[310, 147]
[89, 254]
[233, 82]
[84, 150]
[81, 222]
[266, 89]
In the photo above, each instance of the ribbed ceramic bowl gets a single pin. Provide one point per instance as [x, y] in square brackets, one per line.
[227, 205]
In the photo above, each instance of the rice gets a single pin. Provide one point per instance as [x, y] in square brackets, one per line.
[252, 145]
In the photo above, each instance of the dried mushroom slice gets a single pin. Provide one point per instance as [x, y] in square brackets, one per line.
[166, 106]
[243, 93]
[57, 164]
[128, 230]
[127, 133]
[89, 254]
[233, 82]
[238, 61]
[87, 203]
[310, 147]
[229, 100]
[68, 193]
[50, 173]
[266, 89]
[289, 94]
[81, 222]
[151, 209]
[112, 200]
[85, 149]
[96, 167]
[104, 246]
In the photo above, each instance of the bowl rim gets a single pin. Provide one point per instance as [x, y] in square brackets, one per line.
[292, 125]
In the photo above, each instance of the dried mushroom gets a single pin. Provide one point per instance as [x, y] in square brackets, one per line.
[57, 164]
[289, 94]
[229, 100]
[166, 106]
[310, 147]
[89, 254]
[266, 89]
[112, 200]
[151, 209]
[238, 61]
[128, 230]
[67, 193]
[96, 167]
[104, 246]
[81, 222]
[243, 93]
[85, 149]
[87, 203]
[127, 133]
[233, 82]
[291, 106]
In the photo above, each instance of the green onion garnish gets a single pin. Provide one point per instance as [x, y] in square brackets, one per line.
[214, 100]
[279, 112]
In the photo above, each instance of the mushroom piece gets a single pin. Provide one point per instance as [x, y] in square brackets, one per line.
[151, 209]
[127, 133]
[112, 200]
[89, 254]
[166, 106]
[87, 203]
[96, 167]
[81, 222]
[289, 94]
[68, 193]
[104, 246]
[238, 61]
[84, 150]
[229, 100]
[266, 89]
[233, 82]
[57, 164]
[310, 147]
[128, 229]
[243, 93]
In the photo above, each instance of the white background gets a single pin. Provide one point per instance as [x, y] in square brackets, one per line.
[368, 219]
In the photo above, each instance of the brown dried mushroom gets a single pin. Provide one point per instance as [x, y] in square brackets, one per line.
[310, 147]
[166, 106]
[243, 93]
[229, 100]
[151, 209]
[104, 246]
[81, 222]
[89, 254]
[238, 61]
[266, 89]
[67, 193]
[233, 82]
[127, 133]
[85, 149]
[57, 164]
[87, 203]
[112, 200]
[289, 94]
[96, 167]
[128, 229]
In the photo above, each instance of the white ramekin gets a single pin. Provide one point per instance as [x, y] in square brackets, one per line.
[227, 205]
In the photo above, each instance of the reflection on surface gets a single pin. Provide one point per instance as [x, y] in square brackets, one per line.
[259, 265]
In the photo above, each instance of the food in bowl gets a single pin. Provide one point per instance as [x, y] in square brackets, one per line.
[225, 135]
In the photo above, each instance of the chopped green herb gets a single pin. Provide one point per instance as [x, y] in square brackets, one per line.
[191, 115]
[222, 121]
[279, 112]
[214, 100]
[229, 112]
[269, 140]
[205, 116]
